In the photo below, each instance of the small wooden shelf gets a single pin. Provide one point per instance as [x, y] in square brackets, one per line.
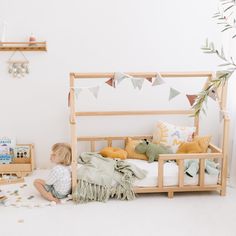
[19, 169]
[23, 46]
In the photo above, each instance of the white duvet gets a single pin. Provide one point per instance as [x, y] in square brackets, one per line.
[170, 175]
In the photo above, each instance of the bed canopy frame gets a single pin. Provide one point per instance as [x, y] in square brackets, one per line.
[214, 152]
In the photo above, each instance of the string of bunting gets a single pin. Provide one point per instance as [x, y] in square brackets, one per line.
[138, 83]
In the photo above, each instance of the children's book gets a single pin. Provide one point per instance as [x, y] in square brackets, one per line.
[22, 152]
[8, 141]
[5, 155]
[7, 146]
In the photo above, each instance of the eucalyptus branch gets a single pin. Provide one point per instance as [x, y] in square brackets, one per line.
[221, 78]
[224, 17]
[210, 48]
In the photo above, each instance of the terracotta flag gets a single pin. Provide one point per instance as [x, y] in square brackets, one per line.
[191, 98]
[158, 80]
[137, 82]
[173, 93]
[94, 91]
[149, 79]
[111, 82]
[68, 99]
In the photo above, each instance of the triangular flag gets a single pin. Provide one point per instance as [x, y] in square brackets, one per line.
[137, 82]
[213, 94]
[68, 101]
[94, 91]
[77, 92]
[221, 116]
[149, 79]
[191, 98]
[120, 76]
[158, 80]
[111, 82]
[173, 93]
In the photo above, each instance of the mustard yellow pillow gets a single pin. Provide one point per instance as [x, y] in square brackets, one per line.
[203, 142]
[130, 149]
[199, 145]
[189, 147]
[113, 152]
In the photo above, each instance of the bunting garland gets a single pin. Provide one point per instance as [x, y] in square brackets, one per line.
[138, 84]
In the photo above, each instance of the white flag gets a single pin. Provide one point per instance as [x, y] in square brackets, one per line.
[137, 82]
[77, 92]
[120, 77]
[94, 91]
[173, 93]
[158, 80]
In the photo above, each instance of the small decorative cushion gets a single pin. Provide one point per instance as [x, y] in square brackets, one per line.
[199, 145]
[172, 135]
[130, 149]
[203, 142]
[189, 147]
[152, 150]
[113, 152]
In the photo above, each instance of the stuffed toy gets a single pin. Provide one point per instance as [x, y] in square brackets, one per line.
[152, 150]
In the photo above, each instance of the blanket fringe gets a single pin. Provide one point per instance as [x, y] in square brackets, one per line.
[86, 192]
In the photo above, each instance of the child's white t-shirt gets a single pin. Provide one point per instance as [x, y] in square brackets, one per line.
[60, 178]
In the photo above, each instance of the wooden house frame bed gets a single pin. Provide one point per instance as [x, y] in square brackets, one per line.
[214, 152]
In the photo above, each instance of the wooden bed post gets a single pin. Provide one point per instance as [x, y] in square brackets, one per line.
[73, 135]
[225, 146]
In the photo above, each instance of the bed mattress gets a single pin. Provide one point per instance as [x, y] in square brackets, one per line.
[170, 175]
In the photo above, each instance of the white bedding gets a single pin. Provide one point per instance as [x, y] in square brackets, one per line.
[170, 175]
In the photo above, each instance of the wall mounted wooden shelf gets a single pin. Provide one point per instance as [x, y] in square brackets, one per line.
[23, 46]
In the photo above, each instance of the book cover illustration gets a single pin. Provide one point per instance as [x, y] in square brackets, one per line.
[7, 145]
[22, 152]
[6, 155]
[7, 141]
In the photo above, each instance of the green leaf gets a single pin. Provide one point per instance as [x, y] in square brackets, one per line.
[226, 29]
[225, 10]
[225, 64]
[222, 52]
[212, 47]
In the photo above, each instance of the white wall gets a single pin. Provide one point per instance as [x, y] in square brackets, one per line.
[105, 35]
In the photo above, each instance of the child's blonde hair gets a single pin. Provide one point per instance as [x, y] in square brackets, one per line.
[63, 153]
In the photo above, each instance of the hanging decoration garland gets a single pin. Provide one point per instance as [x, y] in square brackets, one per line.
[18, 69]
[137, 83]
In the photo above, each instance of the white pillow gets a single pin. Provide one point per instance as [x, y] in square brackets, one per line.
[172, 135]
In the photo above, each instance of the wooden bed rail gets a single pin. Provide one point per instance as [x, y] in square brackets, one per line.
[131, 113]
[143, 74]
[180, 160]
